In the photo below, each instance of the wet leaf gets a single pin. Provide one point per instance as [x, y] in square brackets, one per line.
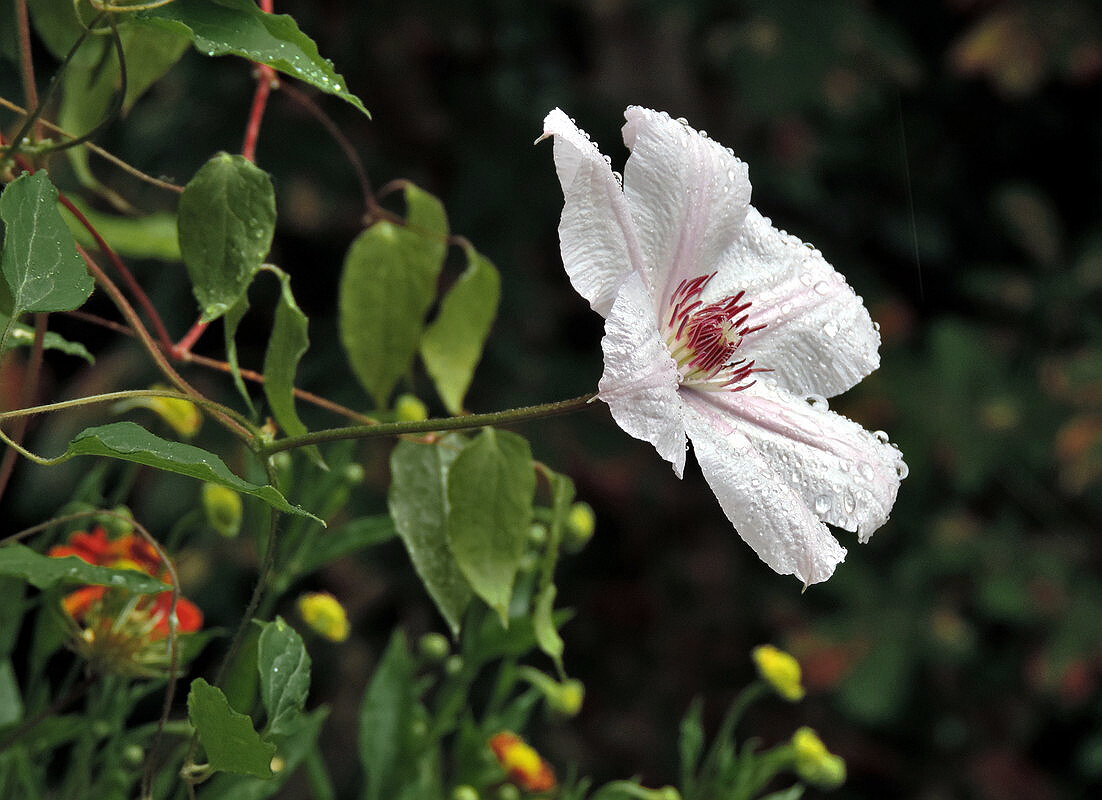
[229, 739]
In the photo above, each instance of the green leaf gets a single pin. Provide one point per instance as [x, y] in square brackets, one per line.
[11, 701]
[490, 488]
[293, 747]
[328, 546]
[451, 347]
[385, 718]
[131, 442]
[238, 27]
[226, 221]
[229, 739]
[21, 335]
[286, 347]
[690, 744]
[418, 504]
[40, 261]
[547, 637]
[284, 668]
[242, 677]
[230, 322]
[387, 286]
[148, 236]
[17, 561]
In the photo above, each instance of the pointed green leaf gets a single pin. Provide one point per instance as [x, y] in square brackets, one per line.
[131, 442]
[284, 667]
[385, 718]
[286, 347]
[40, 262]
[490, 488]
[544, 626]
[11, 701]
[452, 345]
[22, 335]
[418, 504]
[230, 321]
[387, 286]
[149, 236]
[226, 221]
[229, 739]
[238, 27]
[17, 561]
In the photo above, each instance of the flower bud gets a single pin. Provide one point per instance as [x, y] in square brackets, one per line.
[182, 415]
[434, 647]
[408, 408]
[581, 522]
[780, 670]
[464, 792]
[814, 763]
[563, 698]
[325, 615]
[454, 665]
[223, 508]
[523, 766]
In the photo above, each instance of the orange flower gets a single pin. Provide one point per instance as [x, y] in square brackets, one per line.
[522, 764]
[120, 633]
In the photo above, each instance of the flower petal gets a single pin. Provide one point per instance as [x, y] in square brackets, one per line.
[688, 196]
[640, 379]
[818, 335]
[596, 232]
[767, 513]
[844, 474]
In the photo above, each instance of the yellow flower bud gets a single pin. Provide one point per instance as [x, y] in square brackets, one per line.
[780, 670]
[581, 522]
[814, 763]
[408, 408]
[325, 615]
[183, 416]
[223, 508]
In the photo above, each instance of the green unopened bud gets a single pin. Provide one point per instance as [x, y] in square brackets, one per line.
[537, 534]
[354, 474]
[223, 508]
[464, 792]
[434, 647]
[133, 755]
[508, 792]
[562, 697]
[581, 522]
[814, 763]
[454, 665]
[408, 408]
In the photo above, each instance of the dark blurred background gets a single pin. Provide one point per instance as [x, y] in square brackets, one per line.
[945, 156]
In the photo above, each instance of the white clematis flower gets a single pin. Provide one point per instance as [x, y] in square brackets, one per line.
[725, 331]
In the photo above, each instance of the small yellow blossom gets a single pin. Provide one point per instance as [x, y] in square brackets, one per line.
[581, 522]
[814, 763]
[780, 670]
[522, 764]
[325, 615]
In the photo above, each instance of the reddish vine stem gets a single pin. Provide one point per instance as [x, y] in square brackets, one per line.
[127, 276]
[26, 397]
[26, 62]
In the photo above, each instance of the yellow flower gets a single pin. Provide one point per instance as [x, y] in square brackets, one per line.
[223, 508]
[324, 613]
[814, 763]
[522, 764]
[780, 670]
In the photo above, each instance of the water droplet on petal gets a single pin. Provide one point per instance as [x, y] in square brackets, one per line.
[682, 120]
[849, 502]
[881, 436]
[831, 329]
[902, 470]
[806, 279]
[822, 287]
[822, 504]
[866, 471]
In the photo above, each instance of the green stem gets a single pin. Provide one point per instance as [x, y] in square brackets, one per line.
[429, 425]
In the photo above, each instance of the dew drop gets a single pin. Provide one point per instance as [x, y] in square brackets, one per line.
[849, 502]
[703, 134]
[831, 329]
[822, 504]
[866, 471]
[682, 120]
[876, 326]
[806, 279]
[786, 308]
[902, 470]
[881, 436]
[822, 288]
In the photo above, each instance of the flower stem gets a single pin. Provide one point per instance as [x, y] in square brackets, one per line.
[429, 425]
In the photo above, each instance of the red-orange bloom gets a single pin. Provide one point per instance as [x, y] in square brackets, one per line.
[126, 552]
[522, 764]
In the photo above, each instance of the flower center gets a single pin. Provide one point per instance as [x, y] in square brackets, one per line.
[702, 339]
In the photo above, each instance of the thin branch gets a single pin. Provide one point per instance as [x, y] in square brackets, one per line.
[26, 395]
[99, 151]
[26, 59]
